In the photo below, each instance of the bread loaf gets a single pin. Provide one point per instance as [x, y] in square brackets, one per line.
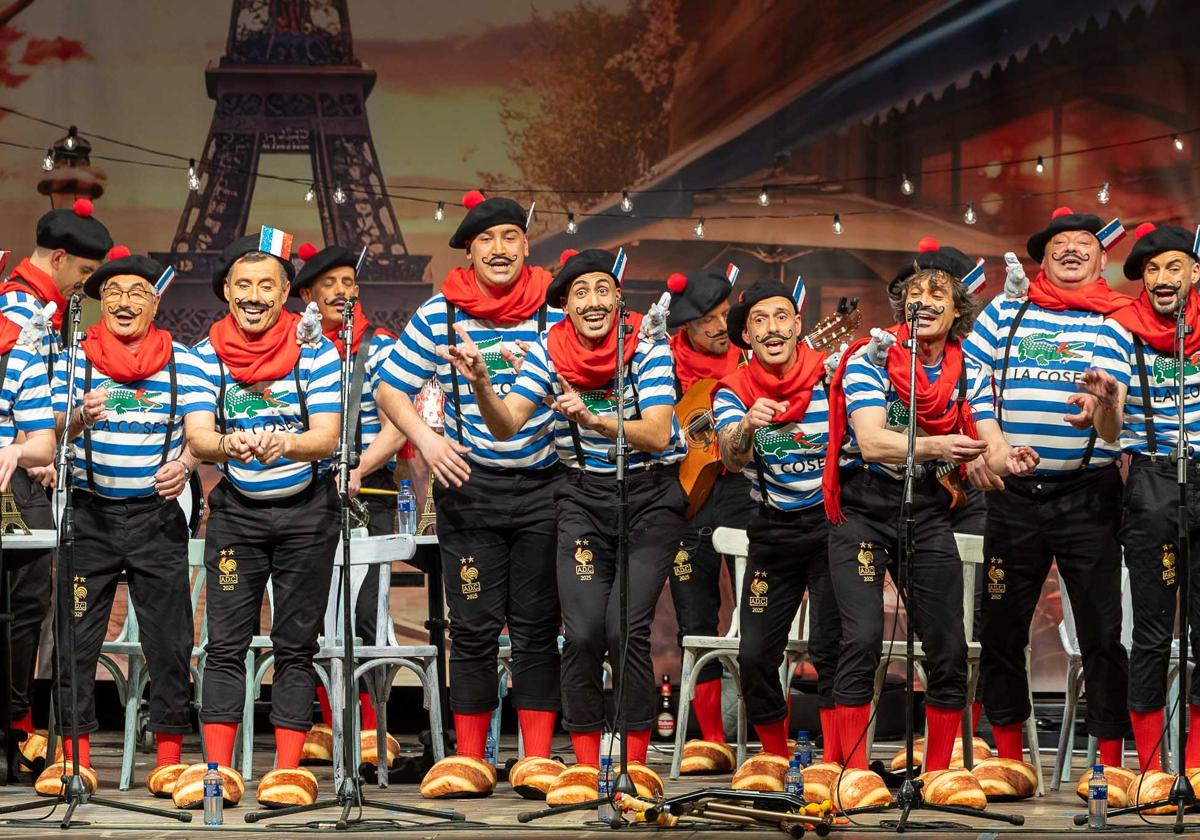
[1006, 778]
[819, 781]
[705, 757]
[189, 787]
[860, 789]
[979, 751]
[49, 783]
[161, 781]
[575, 784]
[284, 788]
[318, 745]
[459, 777]
[1118, 779]
[369, 749]
[649, 784]
[953, 787]
[764, 771]
[1150, 787]
[532, 776]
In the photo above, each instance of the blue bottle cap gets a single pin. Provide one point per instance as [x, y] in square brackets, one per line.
[212, 765]
[794, 764]
[606, 762]
[1097, 768]
[802, 735]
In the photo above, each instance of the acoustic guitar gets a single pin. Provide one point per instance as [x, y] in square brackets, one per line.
[699, 470]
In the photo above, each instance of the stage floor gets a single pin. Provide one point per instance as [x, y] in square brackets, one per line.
[496, 816]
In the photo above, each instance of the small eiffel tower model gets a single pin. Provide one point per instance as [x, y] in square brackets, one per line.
[10, 517]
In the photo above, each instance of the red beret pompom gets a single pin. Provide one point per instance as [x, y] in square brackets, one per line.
[117, 252]
[307, 251]
[676, 282]
[927, 244]
[472, 199]
[1143, 229]
[82, 207]
[566, 255]
[1062, 211]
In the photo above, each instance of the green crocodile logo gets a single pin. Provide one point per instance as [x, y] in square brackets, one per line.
[770, 440]
[122, 400]
[1166, 368]
[599, 402]
[1044, 348]
[490, 349]
[239, 401]
[897, 414]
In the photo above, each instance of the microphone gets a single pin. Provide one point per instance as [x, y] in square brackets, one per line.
[914, 309]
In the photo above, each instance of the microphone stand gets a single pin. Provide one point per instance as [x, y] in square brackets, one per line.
[347, 778]
[74, 792]
[1181, 795]
[909, 798]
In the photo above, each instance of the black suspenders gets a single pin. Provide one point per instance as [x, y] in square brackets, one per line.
[1147, 398]
[577, 442]
[301, 402]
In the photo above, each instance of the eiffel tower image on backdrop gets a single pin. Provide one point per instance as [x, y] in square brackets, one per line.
[289, 83]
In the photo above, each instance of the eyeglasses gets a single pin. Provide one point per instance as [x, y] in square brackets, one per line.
[136, 296]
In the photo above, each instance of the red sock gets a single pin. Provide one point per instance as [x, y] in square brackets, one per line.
[85, 749]
[472, 733]
[537, 728]
[289, 746]
[587, 747]
[707, 705]
[1008, 740]
[367, 712]
[24, 723]
[1192, 754]
[1112, 752]
[218, 742]
[774, 737]
[943, 725]
[326, 710]
[829, 735]
[1147, 735]
[852, 733]
[976, 713]
[639, 745]
[170, 748]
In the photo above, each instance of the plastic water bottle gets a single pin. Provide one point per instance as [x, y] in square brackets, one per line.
[1098, 798]
[490, 751]
[804, 748]
[604, 790]
[214, 799]
[793, 782]
[406, 509]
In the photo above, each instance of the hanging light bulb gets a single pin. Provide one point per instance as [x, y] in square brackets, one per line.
[1103, 196]
[764, 197]
[572, 228]
[698, 230]
[1177, 142]
[440, 213]
[311, 195]
[71, 142]
[837, 224]
[969, 216]
[193, 180]
[1040, 166]
[906, 186]
[339, 195]
[48, 161]
[626, 202]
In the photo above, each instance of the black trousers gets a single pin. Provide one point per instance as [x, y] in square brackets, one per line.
[147, 540]
[861, 550]
[1149, 535]
[590, 589]
[788, 551]
[292, 542]
[382, 520]
[1072, 520]
[695, 576]
[497, 537]
[30, 584]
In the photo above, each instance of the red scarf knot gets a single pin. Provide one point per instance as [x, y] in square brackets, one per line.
[513, 304]
[1091, 297]
[334, 334]
[794, 386]
[257, 357]
[111, 355]
[692, 365]
[588, 369]
[43, 286]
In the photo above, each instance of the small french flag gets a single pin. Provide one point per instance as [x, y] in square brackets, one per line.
[529, 215]
[362, 260]
[275, 242]
[164, 281]
[731, 273]
[974, 279]
[799, 293]
[618, 269]
[3, 259]
[1111, 234]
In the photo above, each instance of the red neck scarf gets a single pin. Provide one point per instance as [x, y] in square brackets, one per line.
[10, 331]
[933, 416]
[1156, 330]
[43, 286]
[692, 365]
[795, 386]
[1093, 297]
[262, 357]
[583, 368]
[516, 302]
[360, 328]
[113, 358]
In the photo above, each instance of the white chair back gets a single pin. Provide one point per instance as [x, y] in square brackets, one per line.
[735, 543]
[970, 552]
[369, 555]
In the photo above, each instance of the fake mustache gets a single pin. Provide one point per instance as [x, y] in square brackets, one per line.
[931, 310]
[715, 335]
[771, 336]
[1070, 252]
[124, 310]
[498, 260]
[593, 310]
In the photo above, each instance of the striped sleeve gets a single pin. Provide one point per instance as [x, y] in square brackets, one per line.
[1114, 349]
[865, 385]
[58, 387]
[322, 390]
[413, 360]
[209, 383]
[193, 388]
[979, 393]
[535, 382]
[980, 345]
[654, 370]
[31, 403]
[727, 409]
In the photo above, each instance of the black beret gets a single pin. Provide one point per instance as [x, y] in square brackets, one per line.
[739, 312]
[1063, 219]
[484, 213]
[317, 263]
[233, 252]
[136, 264]
[576, 264]
[1152, 241]
[703, 290]
[931, 255]
[75, 231]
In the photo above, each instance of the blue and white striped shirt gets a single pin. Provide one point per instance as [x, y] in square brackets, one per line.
[377, 353]
[24, 396]
[414, 360]
[1115, 354]
[20, 307]
[127, 445]
[650, 382]
[273, 406]
[792, 454]
[1050, 351]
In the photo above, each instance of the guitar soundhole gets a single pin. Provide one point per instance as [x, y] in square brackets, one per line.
[698, 429]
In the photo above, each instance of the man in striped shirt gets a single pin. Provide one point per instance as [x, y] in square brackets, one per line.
[494, 498]
[269, 418]
[1136, 382]
[133, 386]
[772, 420]
[1036, 350]
[573, 367]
